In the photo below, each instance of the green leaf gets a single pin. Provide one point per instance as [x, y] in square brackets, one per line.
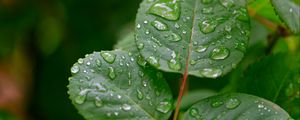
[235, 106]
[209, 36]
[264, 9]
[289, 12]
[275, 78]
[111, 85]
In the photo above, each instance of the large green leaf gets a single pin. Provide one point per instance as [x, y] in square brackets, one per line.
[209, 36]
[289, 12]
[111, 85]
[235, 106]
[275, 78]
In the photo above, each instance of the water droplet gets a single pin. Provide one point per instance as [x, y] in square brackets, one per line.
[216, 103]
[80, 99]
[164, 106]
[108, 57]
[219, 53]
[159, 25]
[207, 10]
[119, 96]
[173, 37]
[140, 95]
[112, 74]
[98, 102]
[138, 26]
[98, 63]
[227, 28]
[88, 63]
[242, 14]
[141, 61]
[177, 25]
[116, 113]
[156, 41]
[291, 10]
[153, 61]
[260, 105]
[108, 114]
[80, 60]
[140, 46]
[145, 22]
[174, 65]
[141, 73]
[126, 107]
[100, 87]
[75, 69]
[192, 62]
[206, 1]
[232, 103]
[194, 112]
[208, 26]
[227, 3]
[129, 75]
[166, 9]
[228, 36]
[211, 72]
[201, 48]
[147, 32]
[240, 46]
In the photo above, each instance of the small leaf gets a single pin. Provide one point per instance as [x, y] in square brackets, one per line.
[289, 12]
[111, 85]
[205, 36]
[235, 106]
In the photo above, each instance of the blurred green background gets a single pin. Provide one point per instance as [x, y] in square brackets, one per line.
[39, 42]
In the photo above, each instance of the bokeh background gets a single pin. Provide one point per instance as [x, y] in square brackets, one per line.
[41, 39]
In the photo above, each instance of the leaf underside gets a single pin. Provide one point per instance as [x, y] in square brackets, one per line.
[209, 36]
[111, 85]
[289, 12]
[235, 106]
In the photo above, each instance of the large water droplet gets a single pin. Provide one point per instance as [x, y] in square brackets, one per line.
[211, 72]
[232, 103]
[159, 25]
[75, 69]
[208, 26]
[207, 10]
[140, 95]
[174, 64]
[219, 53]
[216, 103]
[173, 37]
[98, 102]
[80, 99]
[164, 106]
[153, 61]
[108, 57]
[167, 9]
[80, 60]
[227, 3]
[201, 48]
[141, 61]
[111, 73]
[126, 107]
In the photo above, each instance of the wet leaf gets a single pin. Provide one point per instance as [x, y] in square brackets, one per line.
[289, 12]
[235, 106]
[209, 36]
[111, 85]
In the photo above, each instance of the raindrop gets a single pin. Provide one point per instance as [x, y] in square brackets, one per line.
[80, 60]
[242, 14]
[145, 22]
[98, 102]
[240, 46]
[219, 53]
[108, 57]
[100, 87]
[138, 26]
[82, 96]
[129, 75]
[227, 28]
[291, 10]
[140, 46]
[141, 61]
[260, 106]
[228, 36]
[192, 62]
[194, 112]
[174, 65]
[232, 103]
[184, 32]
[116, 113]
[140, 95]
[159, 25]
[211, 72]
[227, 3]
[153, 61]
[166, 9]
[216, 103]
[126, 107]
[75, 69]
[112, 74]
[207, 10]
[173, 37]
[141, 73]
[201, 48]
[98, 63]
[119, 96]
[147, 32]
[207, 26]
[177, 25]
[88, 63]
[164, 106]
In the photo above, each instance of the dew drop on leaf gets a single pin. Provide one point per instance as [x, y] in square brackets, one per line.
[200, 49]
[98, 102]
[98, 63]
[80, 60]
[216, 103]
[208, 26]
[108, 57]
[219, 53]
[174, 64]
[207, 10]
[75, 69]
[167, 9]
[232, 103]
[159, 25]
[211, 72]
[140, 46]
[111, 73]
[164, 106]
[140, 95]
[173, 37]
[153, 61]
[126, 107]
[227, 3]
